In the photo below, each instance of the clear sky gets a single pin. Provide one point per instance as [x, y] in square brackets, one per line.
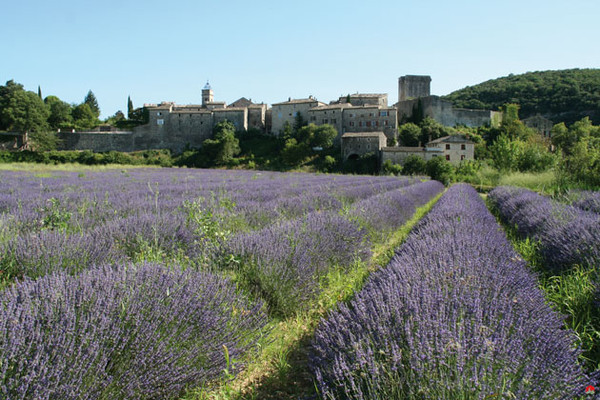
[271, 50]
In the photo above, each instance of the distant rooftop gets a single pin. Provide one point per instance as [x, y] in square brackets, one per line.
[362, 134]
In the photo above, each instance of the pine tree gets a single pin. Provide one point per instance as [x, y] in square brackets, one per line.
[129, 108]
[39, 92]
[91, 101]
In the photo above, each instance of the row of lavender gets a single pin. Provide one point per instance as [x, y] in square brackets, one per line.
[568, 235]
[72, 222]
[95, 325]
[585, 199]
[456, 314]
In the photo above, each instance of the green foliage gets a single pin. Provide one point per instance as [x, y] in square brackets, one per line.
[60, 112]
[367, 164]
[582, 166]
[414, 165]
[21, 110]
[130, 108]
[224, 146]
[562, 96]
[83, 117]
[389, 168]
[92, 102]
[44, 140]
[409, 134]
[294, 153]
[440, 170]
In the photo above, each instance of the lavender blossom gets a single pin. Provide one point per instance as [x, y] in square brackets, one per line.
[455, 314]
[142, 332]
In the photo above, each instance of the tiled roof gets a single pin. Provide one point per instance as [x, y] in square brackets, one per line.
[362, 134]
[451, 139]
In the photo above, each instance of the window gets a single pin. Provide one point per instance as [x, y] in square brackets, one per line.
[383, 113]
[448, 157]
[447, 147]
[325, 120]
[334, 121]
[463, 146]
[158, 114]
[376, 123]
[160, 122]
[385, 123]
[359, 123]
[462, 157]
[368, 123]
[351, 123]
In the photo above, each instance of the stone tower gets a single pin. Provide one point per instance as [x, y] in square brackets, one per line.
[207, 94]
[413, 86]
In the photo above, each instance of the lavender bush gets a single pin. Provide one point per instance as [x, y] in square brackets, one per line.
[135, 332]
[284, 262]
[388, 211]
[585, 199]
[567, 235]
[454, 315]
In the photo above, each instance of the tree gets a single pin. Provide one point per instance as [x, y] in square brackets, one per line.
[40, 92]
[414, 165]
[224, 145]
[60, 112]
[90, 100]
[440, 170]
[298, 122]
[409, 134]
[21, 110]
[84, 117]
[44, 140]
[129, 108]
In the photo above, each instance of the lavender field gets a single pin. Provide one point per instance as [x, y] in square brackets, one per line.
[146, 283]
[167, 284]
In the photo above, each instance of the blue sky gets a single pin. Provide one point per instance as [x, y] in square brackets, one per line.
[271, 50]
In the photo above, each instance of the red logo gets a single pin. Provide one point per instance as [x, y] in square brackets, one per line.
[590, 390]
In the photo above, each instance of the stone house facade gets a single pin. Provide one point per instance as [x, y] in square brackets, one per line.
[356, 144]
[287, 111]
[541, 124]
[453, 148]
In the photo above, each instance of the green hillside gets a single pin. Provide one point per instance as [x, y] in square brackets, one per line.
[562, 96]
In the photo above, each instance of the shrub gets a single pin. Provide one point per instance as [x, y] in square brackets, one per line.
[455, 314]
[140, 332]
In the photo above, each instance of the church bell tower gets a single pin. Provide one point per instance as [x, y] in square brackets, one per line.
[207, 94]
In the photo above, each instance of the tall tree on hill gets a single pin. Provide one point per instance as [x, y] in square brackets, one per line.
[129, 108]
[40, 92]
[90, 100]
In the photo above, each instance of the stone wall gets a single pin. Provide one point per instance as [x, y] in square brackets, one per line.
[413, 86]
[443, 112]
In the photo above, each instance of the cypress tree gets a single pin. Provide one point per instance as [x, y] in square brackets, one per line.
[129, 108]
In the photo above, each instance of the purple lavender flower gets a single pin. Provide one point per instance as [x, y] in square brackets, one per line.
[455, 314]
[119, 332]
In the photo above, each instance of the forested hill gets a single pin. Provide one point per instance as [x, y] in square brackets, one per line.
[562, 96]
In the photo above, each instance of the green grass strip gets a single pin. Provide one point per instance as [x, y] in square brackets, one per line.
[278, 369]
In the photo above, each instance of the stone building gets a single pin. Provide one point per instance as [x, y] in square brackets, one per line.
[414, 95]
[287, 111]
[356, 144]
[364, 99]
[542, 125]
[365, 113]
[413, 86]
[453, 148]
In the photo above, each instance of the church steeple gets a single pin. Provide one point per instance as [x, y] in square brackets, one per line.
[207, 94]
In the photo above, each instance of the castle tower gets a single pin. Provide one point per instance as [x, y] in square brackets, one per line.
[413, 86]
[207, 94]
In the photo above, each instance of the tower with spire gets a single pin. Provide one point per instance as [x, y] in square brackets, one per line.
[207, 95]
